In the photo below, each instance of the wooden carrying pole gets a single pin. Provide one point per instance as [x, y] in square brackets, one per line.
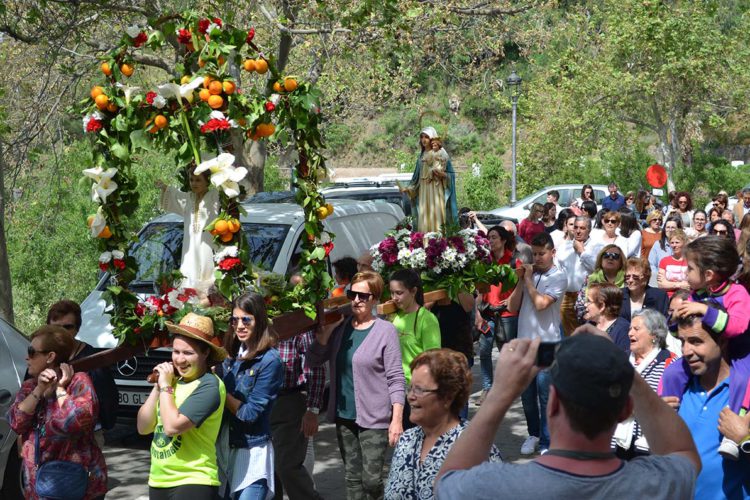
[433, 296]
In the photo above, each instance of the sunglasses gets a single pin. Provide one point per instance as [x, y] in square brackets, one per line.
[33, 352]
[659, 221]
[246, 320]
[611, 255]
[720, 231]
[610, 221]
[633, 277]
[363, 296]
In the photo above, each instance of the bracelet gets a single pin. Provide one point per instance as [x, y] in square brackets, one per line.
[745, 444]
[59, 395]
[167, 388]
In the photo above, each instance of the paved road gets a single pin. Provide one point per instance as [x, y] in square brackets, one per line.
[128, 458]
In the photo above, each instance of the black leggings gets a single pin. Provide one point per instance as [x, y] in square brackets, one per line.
[191, 491]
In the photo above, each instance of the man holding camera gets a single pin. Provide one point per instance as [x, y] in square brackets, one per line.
[593, 387]
[537, 298]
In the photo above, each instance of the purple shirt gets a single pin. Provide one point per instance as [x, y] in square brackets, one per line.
[377, 372]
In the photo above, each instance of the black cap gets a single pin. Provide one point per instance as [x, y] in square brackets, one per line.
[591, 372]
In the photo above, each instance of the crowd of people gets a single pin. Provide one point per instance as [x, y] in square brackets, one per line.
[648, 394]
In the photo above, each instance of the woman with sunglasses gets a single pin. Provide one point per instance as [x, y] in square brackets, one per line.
[683, 206]
[253, 376]
[610, 268]
[673, 268]
[723, 229]
[637, 294]
[610, 235]
[367, 386]
[662, 248]
[55, 410]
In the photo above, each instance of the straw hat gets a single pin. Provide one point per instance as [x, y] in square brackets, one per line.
[200, 328]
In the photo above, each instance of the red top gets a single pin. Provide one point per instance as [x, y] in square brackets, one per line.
[496, 294]
[527, 230]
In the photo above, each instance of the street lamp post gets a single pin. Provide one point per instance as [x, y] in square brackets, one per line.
[514, 84]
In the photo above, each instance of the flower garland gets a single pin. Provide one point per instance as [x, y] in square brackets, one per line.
[200, 111]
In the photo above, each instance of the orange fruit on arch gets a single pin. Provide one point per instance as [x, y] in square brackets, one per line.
[101, 102]
[204, 94]
[207, 81]
[226, 237]
[290, 84]
[201, 62]
[277, 87]
[111, 107]
[105, 234]
[96, 90]
[221, 226]
[229, 87]
[234, 225]
[106, 69]
[160, 121]
[249, 65]
[215, 101]
[127, 69]
[261, 66]
[215, 87]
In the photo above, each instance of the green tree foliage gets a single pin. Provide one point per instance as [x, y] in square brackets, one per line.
[482, 192]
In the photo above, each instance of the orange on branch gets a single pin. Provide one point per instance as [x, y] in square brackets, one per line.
[185, 79]
[249, 65]
[106, 69]
[201, 62]
[222, 60]
[261, 66]
[229, 87]
[101, 102]
[105, 234]
[161, 121]
[215, 101]
[127, 69]
[290, 84]
[204, 94]
[207, 81]
[234, 225]
[111, 107]
[221, 226]
[277, 87]
[96, 91]
[226, 237]
[215, 87]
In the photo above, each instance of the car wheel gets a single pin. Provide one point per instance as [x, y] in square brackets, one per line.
[13, 477]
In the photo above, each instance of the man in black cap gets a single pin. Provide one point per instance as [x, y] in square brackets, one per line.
[593, 387]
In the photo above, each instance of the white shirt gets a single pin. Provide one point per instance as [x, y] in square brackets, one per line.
[620, 241]
[544, 324]
[577, 267]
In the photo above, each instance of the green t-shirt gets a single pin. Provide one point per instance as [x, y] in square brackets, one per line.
[190, 457]
[417, 332]
[351, 340]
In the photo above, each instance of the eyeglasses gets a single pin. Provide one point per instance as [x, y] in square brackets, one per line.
[418, 391]
[682, 202]
[658, 221]
[633, 277]
[610, 221]
[610, 255]
[33, 352]
[246, 320]
[363, 296]
[720, 231]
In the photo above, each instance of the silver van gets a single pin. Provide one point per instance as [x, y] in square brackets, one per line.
[274, 233]
[13, 350]
[568, 194]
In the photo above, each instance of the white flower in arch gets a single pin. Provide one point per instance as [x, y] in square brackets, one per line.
[103, 184]
[224, 175]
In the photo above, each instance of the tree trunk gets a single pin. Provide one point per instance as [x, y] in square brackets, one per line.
[6, 288]
[665, 146]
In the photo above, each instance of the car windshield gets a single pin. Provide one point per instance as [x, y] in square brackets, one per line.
[159, 248]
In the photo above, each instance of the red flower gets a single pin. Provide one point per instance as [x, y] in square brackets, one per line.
[154, 302]
[214, 125]
[137, 330]
[140, 309]
[103, 266]
[184, 36]
[186, 294]
[203, 25]
[217, 21]
[119, 264]
[229, 263]
[140, 39]
[150, 96]
[270, 106]
[328, 247]
[93, 125]
[250, 35]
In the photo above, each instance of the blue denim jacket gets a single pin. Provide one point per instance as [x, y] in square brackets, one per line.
[256, 383]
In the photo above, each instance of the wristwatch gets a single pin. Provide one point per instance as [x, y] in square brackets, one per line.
[316, 411]
[745, 444]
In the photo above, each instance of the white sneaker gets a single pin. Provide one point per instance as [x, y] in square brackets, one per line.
[542, 451]
[729, 449]
[529, 446]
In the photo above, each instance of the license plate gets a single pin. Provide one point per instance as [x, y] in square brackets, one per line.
[129, 398]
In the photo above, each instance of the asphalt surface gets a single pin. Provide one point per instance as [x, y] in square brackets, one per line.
[128, 458]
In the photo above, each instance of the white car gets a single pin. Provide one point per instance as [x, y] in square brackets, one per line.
[274, 233]
[568, 194]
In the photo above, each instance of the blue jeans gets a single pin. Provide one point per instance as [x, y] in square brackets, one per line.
[508, 328]
[534, 400]
[256, 491]
[464, 413]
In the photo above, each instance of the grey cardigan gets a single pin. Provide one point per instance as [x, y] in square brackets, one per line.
[377, 372]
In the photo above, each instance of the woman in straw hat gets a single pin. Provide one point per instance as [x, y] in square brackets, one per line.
[184, 412]
[253, 376]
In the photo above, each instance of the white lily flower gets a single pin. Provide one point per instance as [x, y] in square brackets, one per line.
[118, 254]
[224, 175]
[174, 91]
[103, 183]
[159, 102]
[133, 31]
[98, 224]
[128, 91]
[105, 257]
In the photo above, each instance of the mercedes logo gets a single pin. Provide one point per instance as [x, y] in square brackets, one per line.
[127, 368]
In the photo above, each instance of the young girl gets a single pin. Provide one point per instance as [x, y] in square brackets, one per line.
[532, 225]
[711, 262]
[673, 269]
